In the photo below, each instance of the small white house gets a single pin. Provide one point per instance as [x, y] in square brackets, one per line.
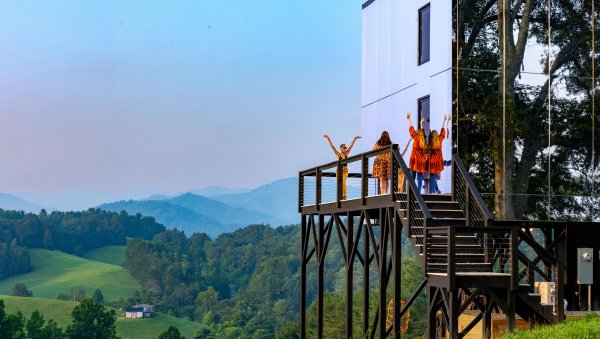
[139, 311]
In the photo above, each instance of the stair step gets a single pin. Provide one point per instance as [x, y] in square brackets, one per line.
[443, 205]
[455, 214]
[437, 197]
[462, 267]
[445, 222]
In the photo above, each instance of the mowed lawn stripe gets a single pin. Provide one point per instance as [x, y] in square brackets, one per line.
[56, 272]
[114, 255]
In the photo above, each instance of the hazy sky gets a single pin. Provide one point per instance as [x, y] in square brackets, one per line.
[121, 95]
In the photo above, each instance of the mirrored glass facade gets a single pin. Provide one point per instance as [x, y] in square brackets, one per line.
[525, 96]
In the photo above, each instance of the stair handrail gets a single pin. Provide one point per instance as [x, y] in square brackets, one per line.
[458, 169]
[411, 188]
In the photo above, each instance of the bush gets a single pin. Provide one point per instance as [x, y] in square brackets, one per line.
[20, 290]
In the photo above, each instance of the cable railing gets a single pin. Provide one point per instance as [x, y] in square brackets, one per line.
[322, 184]
[466, 194]
[410, 199]
[456, 250]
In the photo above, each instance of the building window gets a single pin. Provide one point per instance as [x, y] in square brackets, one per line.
[424, 113]
[424, 29]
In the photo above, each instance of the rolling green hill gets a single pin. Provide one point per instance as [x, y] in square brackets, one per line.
[56, 272]
[60, 311]
[114, 255]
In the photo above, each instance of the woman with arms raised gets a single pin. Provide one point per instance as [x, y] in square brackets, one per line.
[436, 160]
[342, 154]
[420, 152]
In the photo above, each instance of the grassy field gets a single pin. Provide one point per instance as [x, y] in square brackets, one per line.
[57, 272]
[114, 255]
[587, 327]
[60, 311]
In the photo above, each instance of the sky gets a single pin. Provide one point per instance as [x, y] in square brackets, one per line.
[173, 95]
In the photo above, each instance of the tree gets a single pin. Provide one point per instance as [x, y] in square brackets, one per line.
[509, 148]
[11, 325]
[20, 290]
[77, 294]
[92, 320]
[171, 333]
[98, 297]
[36, 330]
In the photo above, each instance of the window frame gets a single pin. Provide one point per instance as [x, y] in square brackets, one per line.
[420, 28]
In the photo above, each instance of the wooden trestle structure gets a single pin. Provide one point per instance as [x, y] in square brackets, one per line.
[469, 261]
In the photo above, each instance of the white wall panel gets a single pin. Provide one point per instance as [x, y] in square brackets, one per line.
[392, 79]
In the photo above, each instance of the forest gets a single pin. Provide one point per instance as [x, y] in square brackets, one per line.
[246, 284]
[70, 232]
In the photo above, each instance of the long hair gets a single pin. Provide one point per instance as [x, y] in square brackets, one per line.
[384, 140]
[434, 140]
[422, 140]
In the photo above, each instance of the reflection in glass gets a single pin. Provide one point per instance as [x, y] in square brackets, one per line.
[525, 105]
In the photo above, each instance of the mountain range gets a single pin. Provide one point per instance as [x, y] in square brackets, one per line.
[13, 202]
[274, 204]
[212, 210]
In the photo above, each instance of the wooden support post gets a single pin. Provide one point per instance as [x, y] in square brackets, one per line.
[349, 273]
[431, 312]
[303, 280]
[366, 276]
[487, 317]
[383, 237]
[453, 304]
[321, 276]
[397, 269]
[510, 310]
[561, 255]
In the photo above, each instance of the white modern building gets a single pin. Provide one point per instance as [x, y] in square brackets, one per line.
[406, 67]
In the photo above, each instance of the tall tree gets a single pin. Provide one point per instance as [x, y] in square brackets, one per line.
[92, 320]
[495, 35]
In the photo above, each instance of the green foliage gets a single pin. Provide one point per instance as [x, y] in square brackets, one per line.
[60, 311]
[20, 290]
[98, 297]
[587, 327]
[70, 232]
[37, 330]
[11, 325]
[245, 283]
[92, 320]
[171, 333]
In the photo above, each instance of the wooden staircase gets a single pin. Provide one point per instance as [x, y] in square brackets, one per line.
[469, 254]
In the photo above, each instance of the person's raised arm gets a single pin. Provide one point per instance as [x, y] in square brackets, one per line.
[352, 143]
[406, 148]
[444, 123]
[408, 117]
[337, 154]
[422, 125]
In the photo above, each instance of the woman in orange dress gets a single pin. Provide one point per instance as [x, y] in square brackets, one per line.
[420, 152]
[381, 167]
[342, 154]
[436, 160]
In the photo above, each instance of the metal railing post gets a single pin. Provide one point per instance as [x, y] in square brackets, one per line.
[300, 193]
[451, 258]
[514, 259]
[318, 193]
[339, 183]
[364, 189]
